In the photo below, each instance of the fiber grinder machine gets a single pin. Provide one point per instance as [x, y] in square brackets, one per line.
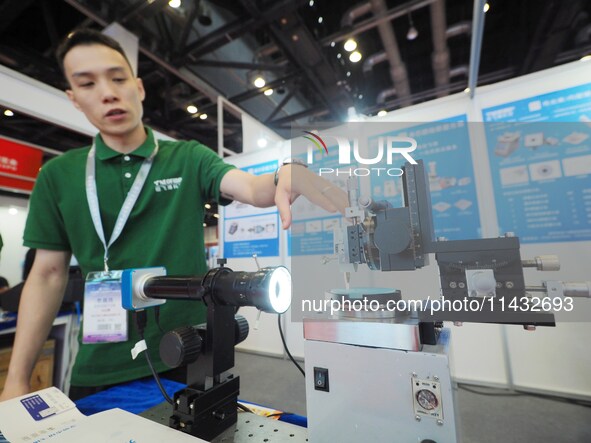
[382, 375]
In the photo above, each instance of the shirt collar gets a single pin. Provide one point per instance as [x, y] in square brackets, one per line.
[103, 152]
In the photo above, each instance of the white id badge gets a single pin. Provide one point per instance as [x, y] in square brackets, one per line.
[105, 320]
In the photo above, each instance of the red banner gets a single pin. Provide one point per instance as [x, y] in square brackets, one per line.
[19, 165]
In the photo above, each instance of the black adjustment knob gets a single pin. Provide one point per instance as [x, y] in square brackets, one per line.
[180, 346]
[240, 328]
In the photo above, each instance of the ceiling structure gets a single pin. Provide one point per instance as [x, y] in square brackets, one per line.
[204, 48]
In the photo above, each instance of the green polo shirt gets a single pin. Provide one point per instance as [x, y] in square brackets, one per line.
[165, 228]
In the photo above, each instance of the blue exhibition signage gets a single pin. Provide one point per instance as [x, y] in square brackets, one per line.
[248, 230]
[312, 230]
[444, 147]
[540, 158]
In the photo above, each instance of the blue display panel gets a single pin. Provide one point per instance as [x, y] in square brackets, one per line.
[312, 227]
[248, 230]
[540, 158]
[444, 147]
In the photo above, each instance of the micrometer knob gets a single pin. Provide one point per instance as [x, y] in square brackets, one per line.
[543, 263]
[577, 289]
[548, 263]
[241, 329]
[180, 346]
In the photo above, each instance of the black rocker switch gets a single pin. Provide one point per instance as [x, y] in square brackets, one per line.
[321, 379]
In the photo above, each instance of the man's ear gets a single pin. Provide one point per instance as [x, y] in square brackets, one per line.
[140, 87]
[71, 97]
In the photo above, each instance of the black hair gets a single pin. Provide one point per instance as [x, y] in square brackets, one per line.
[3, 282]
[87, 37]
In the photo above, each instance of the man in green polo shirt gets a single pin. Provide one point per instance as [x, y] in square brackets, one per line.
[77, 207]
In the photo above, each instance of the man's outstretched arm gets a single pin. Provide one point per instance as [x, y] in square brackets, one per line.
[40, 300]
[293, 181]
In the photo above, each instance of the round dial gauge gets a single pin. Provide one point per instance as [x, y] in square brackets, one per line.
[427, 400]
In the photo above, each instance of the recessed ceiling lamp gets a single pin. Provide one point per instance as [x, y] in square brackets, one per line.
[486, 7]
[174, 3]
[258, 80]
[382, 113]
[203, 116]
[350, 45]
[191, 109]
[355, 56]
[8, 113]
[268, 91]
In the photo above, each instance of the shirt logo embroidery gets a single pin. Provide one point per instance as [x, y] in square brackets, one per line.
[167, 184]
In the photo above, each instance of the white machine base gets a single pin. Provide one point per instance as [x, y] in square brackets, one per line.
[379, 395]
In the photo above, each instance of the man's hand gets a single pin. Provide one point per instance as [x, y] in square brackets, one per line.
[295, 180]
[12, 390]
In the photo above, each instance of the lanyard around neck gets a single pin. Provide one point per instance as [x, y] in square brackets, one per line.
[128, 204]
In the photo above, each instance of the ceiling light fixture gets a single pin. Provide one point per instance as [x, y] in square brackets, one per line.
[382, 113]
[311, 3]
[486, 7]
[268, 92]
[355, 56]
[257, 79]
[586, 58]
[412, 31]
[320, 19]
[191, 109]
[216, 215]
[8, 113]
[350, 45]
[203, 13]
[174, 3]
[203, 116]
[207, 206]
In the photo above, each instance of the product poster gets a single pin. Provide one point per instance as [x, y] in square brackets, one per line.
[312, 229]
[444, 147]
[248, 230]
[540, 157]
